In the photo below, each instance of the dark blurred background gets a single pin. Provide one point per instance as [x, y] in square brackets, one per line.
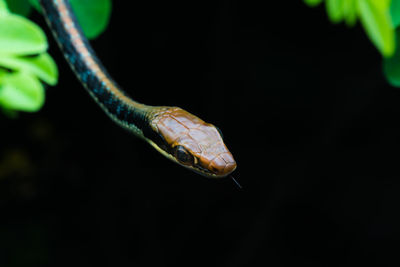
[303, 106]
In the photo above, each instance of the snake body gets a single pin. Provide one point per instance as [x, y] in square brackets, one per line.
[174, 132]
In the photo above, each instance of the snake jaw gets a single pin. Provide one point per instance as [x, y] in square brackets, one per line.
[177, 127]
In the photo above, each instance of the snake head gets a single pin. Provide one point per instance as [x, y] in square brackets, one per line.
[191, 142]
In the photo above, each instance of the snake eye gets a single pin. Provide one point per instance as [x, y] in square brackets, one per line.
[183, 155]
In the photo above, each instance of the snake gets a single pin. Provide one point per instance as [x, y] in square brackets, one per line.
[174, 132]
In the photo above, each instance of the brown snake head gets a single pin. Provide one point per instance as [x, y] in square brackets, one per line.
[191, 142]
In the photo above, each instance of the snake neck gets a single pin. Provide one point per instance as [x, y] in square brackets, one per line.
[88, 68]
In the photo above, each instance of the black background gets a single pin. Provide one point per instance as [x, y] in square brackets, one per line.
[304, 108]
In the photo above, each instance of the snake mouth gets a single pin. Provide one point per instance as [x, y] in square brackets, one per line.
[208, 173]
[204, 171]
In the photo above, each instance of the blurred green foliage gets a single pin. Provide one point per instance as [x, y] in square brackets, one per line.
[380, 18]
[24, 63]
[374, 15]
[313, 2]
[92, 15]
[20, 7]
[391, 65]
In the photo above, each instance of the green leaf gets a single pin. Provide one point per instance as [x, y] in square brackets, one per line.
[334, 8]
[312, 3]
[92, 15]
[381, 4]
[3, 7]
[20, 36]
[375, 17]
[43, 66]
[21, 91]
[36, 5]
[21, 7]
[350, 12]
[391, 65]
[395, 12]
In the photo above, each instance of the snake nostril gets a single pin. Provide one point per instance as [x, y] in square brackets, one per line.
[214, 169]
